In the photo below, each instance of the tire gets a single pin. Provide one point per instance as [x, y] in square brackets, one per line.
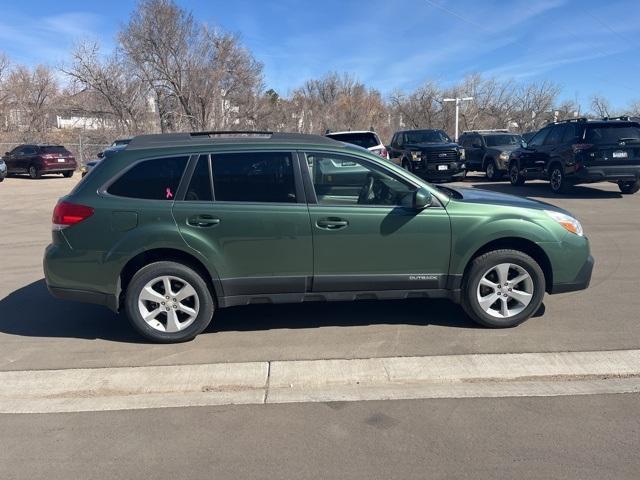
[485, 268]
[68, 174]
[491, 170]
[629, 188]
[187, 324]
[557, 179]
[34, 173]
[515, 177]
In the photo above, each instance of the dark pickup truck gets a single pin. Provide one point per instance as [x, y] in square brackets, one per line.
[431, 154]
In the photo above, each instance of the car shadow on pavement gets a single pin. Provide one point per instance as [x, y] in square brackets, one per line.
[31, 311]
[542, 190]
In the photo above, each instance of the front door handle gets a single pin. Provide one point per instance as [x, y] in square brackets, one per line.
[331, 223]
[203, 221]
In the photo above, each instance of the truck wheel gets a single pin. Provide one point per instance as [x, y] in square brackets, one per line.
[557, 179]
[491, 170]
[515, 177]
[629, 188]
[168, 302]
[502, 288]
[34, 172]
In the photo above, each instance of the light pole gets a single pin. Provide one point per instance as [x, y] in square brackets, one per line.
[457, 100]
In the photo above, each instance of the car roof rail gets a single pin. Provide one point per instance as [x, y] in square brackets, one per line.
[159, 140]
[488, 130]
[570, 120]
[624, 118]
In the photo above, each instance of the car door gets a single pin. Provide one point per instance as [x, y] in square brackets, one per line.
[395, 152]
[254, 228]
[12, 159]
[474, 152]
[550, 147]
[368, 237]
[532, 157]
[29, 153]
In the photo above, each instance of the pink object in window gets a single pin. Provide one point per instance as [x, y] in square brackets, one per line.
[168, 192]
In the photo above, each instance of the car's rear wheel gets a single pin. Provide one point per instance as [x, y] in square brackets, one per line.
[629, 188]
[503, 288]
[515, 177]
[34, 172]
[168, 302]
[557, 179]
[68, 174]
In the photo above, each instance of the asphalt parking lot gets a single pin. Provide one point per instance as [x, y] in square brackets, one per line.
[39, 332]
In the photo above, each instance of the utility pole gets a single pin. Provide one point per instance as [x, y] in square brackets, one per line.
[457, 100]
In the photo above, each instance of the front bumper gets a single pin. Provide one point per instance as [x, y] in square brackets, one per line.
[580, 282]
[430, 170]
[614, 173]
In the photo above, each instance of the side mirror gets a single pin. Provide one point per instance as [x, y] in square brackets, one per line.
[523, 144]
[421, 198]
[6, 153]
[100, 154]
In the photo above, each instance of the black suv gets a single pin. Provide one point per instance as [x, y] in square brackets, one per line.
[581, 151]
[489, 150]
[428, 153]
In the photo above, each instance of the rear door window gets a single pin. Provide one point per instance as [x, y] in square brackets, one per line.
[555, 136]
[199, 189]
[257, 177]
[156, 179]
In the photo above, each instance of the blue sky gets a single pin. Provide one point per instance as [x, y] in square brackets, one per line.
[587, 46]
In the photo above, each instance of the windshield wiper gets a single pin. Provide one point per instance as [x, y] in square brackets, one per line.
[628, 139]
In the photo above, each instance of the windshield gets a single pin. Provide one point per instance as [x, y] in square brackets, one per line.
[612, 133]
[365, 139]
[427, 136]
[498, 140]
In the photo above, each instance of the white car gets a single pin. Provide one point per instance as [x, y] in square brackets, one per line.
[363, 138]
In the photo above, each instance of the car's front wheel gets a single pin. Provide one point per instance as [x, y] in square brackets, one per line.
[515, 177]
[34, 172]
[491, 171]
[168, 302]
[503, 288]
[629, 188]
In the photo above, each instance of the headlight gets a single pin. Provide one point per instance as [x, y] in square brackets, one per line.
[462, 154]
[569, 223]
[415, 155]
[504, 156]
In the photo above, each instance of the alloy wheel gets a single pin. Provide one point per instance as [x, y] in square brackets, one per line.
[491, 171]
[168, 304]
[505, 290]
[556, 179]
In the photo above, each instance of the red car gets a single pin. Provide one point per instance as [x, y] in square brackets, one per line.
[38, 160]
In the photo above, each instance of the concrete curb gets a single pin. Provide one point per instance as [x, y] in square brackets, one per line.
[449, 376]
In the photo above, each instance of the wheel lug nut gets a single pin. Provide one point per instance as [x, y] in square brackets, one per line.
[168, 309]
[162, 303]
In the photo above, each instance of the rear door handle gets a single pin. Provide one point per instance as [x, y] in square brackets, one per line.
[331, 223]
[203, 221]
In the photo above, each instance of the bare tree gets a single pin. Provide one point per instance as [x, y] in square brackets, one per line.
[206, 74]
[30, 94]
[601, 106]
[105, 87]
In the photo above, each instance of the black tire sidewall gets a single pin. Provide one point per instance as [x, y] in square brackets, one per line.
[157, 269]
[563, 179]
[483, 263]
[629, 188]
[518, 180]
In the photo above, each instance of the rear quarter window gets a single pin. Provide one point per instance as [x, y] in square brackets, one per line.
[155, 179]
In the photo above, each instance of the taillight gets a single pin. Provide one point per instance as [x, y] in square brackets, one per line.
[66, 214]
[579, 147]
[383, 153]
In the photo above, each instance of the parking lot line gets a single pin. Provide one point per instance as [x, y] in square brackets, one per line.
[448, 376]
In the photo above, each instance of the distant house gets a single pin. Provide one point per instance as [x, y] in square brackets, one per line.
[73, 121]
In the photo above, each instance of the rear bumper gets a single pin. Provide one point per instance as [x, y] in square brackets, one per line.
[581, 282]
[612, 173]
[85, 296]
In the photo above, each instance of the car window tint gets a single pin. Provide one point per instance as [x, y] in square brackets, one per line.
[156, 179]
[199, 189]
[539, 138]
[346, 180]
[569, 133]
[555, 136]
[253, 177]
[55, 149]
[613, 133]
[364, 139]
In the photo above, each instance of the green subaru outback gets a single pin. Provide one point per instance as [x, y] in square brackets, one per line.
[176, 226]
